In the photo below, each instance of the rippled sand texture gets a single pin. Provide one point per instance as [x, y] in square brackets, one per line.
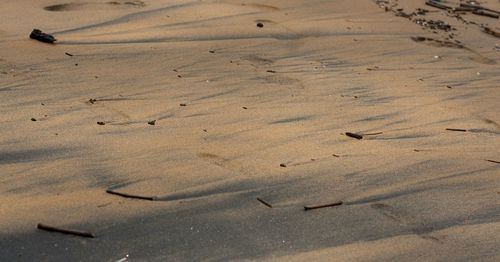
[245, 112]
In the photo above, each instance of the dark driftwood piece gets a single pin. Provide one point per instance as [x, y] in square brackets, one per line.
[264, 203]
[485, 13]
[354, 135]
[37, 34]
[65, 231]
[493, 161]
[456, 129]
[437, 5]
[306, 208]
[150, 198]
[491, 32]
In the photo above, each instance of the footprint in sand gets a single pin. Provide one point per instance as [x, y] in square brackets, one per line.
[417, 227]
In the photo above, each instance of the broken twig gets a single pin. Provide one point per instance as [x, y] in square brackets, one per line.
[354, 135]
[152, 198]
[65, 231]
[456, 129]
[306, 208]
[264, 203]
[493, 161]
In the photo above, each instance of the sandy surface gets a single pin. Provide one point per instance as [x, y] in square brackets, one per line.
[252, 99]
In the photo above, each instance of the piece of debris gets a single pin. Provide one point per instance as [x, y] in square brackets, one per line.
[152, 122]
[33, 119]
[182, 104]
[244, 107]
[456, 129]
[335, 155]
[68, 54]
[282, 165]
[491, 32]
[306, 208]
[101, 123]
[271, 71]
[37, 34]
[65, 231]
[493, 161]
[437, 5]
[264, 203]
[485, 13]
[92, 100]
[211, 51]
[354, 135]
[448, 86]
[260, 25]
[152, 198]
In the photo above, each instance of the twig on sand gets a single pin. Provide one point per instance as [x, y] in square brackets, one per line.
[65, 231]
[485, 13]
[354, 135]
[264, 203]
[306, 208]
[456, 129]
[150, 198]
[493, 161]
[437, 5]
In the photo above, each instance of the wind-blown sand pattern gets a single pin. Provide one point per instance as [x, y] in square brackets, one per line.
[245, 112]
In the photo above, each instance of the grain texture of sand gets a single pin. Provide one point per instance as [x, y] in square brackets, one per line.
[205, 106]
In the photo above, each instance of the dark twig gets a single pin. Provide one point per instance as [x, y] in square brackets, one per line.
[373, 134]
[109, 191]
[456, 129]
[264, 203]
[306, 208]
[354, 135]
[493, 161]
[65, 231]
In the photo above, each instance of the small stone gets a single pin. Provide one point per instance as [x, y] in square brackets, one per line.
[101, 123]
[152, 122]
[33, 119]
[282, 165]
[260, 25]
[183, 104]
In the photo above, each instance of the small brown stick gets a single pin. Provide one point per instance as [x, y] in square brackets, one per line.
[306, 208]
[437, 5]
[493, 161]
[491, 32]
[485, 13]
[456, 129]
[354, 135]
[479, 7]
[65, 231]
[109, 191]
[264, 203]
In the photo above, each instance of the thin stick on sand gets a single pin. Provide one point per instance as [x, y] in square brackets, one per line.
[456, 129]
[264, 203]
[65, 231]
[152, 198]
[493, 161]
[306, 208]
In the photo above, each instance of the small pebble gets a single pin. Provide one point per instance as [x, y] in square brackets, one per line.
[260, 25]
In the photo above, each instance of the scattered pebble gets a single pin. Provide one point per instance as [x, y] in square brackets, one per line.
[183, 104]
[33, 119]
[152, 122]
[101, 123]
[260, 25]
[282, 165]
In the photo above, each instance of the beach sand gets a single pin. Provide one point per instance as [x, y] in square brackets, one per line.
[245, 112]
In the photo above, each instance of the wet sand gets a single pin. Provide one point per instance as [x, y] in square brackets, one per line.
[245, 112]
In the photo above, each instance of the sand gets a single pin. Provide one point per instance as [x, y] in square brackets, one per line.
[245, 112]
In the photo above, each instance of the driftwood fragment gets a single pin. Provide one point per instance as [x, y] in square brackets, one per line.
[150, 198]
[37, 34]
[264, 203]
[65, 231]
[456, 129]
[306, 208]
[354, 135]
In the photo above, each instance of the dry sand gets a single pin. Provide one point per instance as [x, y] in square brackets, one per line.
[255, 98]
